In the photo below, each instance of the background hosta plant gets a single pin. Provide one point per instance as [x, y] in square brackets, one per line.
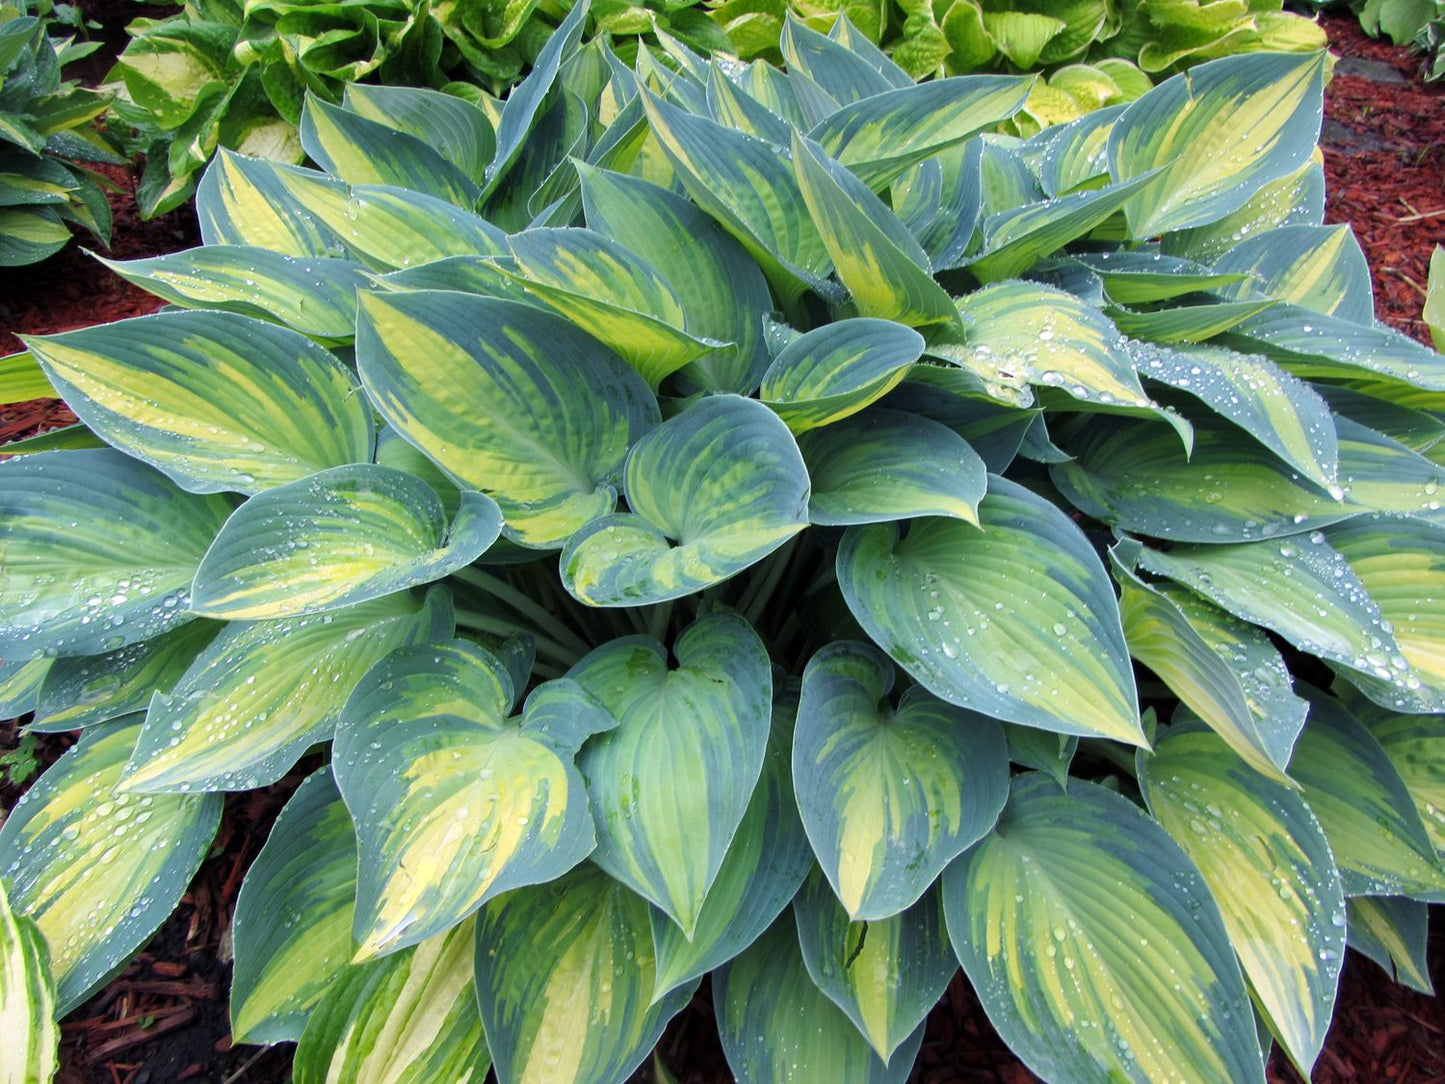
[738, 535]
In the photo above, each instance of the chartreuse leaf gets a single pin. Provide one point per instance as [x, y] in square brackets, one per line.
[453, 802]
[836, 370]
[1367, 812]
[889, 796]
[262, 692]
[292, 930]
[410, 1018]
[761, 872]
[452, 126]
[27, 1000]
[1268, 865]
[1318, 267]
[1094, 945]
[712, 490]
[886, 464]
[669, 786]
[1282, 412]
[215, 400]
[959, 608]
[884, 973]
[564, 975]
[885, 270]
[120, 575]
[83, 690]
[339, 537]
[96, 870]
[314, 296]
[1401, 564]
[720, 286]
[1025, 332]
[1299, 588]
[509, 400]
[1433, 312]
[1218, 134]
[604, 288]
[774, 1020]
[1394, 932]
[1220, 679]
[1415, 745]
[879, 137]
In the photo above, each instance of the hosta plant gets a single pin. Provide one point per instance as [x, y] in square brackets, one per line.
[735, 522]
[46, 137]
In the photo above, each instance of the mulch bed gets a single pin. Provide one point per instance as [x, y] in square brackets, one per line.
[165, 1017]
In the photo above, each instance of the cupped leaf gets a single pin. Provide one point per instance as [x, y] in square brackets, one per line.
[509, 400]
[453, 802]
[761, 872]
[836, 370]
[1268, 866]
[886, 464]
[27, 1000]
[889, 796]
[262, 692]
[292, 930]
[1094, 945]
[565, 974]
[669, 786]
[98, 552]
[339, 537]
[961, 609]
[408, 1019]
[96, 870]
[217, 401]
[884, 973]
[773, 1020]
[712, 490]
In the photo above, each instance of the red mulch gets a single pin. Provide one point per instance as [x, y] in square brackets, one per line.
[164, 1018]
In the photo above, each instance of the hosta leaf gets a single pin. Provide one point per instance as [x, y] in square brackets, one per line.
[244, 201]
[408, 1019]
[959, 608]
[215, 400]
[339, 537]
[1068, 156]
[292, 930]
[1299, 588]
[774, 1020]
[88, 689]
[712, 490]
[564, 975]
[761, 872]
[20, 683]
[669, 786]
[120, 575]
[1268, 865]
[453, 802]
[1382, 474]
[1394, 932]
[481, 386]
[1282, 412]
[880, 136]
[837, 69]
[22, 379]
[1294, 200]
[314, 296]
[720, 286]
[27, 1000]
[1317, 267]
[884, 973]
[262, 692]
[943, 221]
[452, 126]
[1415, 745]
[836, 370]
[1024, 332]
[884, 811]
[1186, 323]
[96, 870]
[1218, 134]
[885, 270]
[1364, 806]
[607, 290]
[885, 465]
[1417, 429]
[1139, 278]
[1093, 943]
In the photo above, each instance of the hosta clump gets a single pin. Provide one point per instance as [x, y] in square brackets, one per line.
[762, 529]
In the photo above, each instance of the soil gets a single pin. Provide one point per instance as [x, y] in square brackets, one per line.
[164, 1018]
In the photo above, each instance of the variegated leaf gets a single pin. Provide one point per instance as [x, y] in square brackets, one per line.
[1394, 932]
[836, 370]
[1318, 267]
[455, 128]
[27, 1001]
[1415, 745]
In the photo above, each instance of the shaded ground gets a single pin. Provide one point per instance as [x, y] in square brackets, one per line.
[164, 1018]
